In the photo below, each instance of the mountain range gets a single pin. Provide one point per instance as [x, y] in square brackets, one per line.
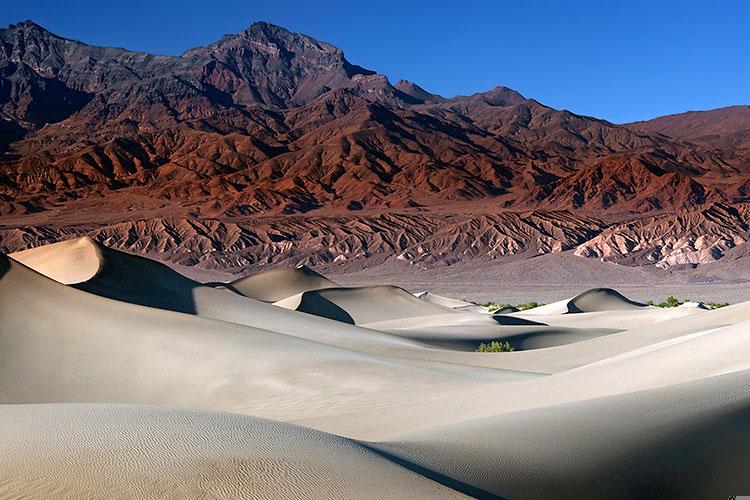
[271, 147]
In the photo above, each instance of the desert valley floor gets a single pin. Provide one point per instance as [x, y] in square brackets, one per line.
[120, 377]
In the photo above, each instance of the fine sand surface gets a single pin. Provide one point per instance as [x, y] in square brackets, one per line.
[284, 384]
[141, 452]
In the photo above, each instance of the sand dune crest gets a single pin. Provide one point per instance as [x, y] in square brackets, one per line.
[277, 284]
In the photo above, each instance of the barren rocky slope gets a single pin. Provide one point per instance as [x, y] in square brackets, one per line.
[696, 235]
[726, 129]
[200, 158]
[424, 239]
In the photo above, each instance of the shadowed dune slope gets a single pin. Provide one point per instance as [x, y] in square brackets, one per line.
[85, 340]
[59, 344]
[97, 269]
[593, 300]
[118, 451]
[130, 278]
[363, 305]
[601, 299]
[277, 284]
[682, 441]
[393, 310]
[135, 279]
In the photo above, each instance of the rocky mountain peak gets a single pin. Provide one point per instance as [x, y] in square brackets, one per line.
[27, 27]
[417, 92]
[500, 96]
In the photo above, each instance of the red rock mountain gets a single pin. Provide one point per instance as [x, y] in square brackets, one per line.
[726, 129]
[270, 146]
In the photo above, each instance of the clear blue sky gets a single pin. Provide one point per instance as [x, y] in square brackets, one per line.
[620, 60]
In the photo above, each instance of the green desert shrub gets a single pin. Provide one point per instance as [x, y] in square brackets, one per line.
[671, 301]
[674, 302]
[495, 306]
[528, 305]
[495, 346]
[716, 305]
[492, 306]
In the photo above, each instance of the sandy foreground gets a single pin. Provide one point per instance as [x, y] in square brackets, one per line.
[120, 377]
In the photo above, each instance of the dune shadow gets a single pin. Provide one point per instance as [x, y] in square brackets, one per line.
[141, 281]
[313, 303]
[514, 321]
[601, 299]
[4, 264]
[454, 484]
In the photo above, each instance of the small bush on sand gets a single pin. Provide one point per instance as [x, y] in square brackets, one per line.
[528, 305]
[716, 305]
[670, 302]
[674, 302]
[491, 306]
[494, 306]
[495, 346]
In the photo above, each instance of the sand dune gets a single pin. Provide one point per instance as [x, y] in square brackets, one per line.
[131, 278]
[67, 262]
[603, 397]
[65, 345]
[280, 283]
[393, 310]
[594, 300]
[138, 280]
[116, 451]
[685, 441]
[673, 352]
[450, 303]
[601, 299]
[363, 305]
[118, 275]
[222, 304]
